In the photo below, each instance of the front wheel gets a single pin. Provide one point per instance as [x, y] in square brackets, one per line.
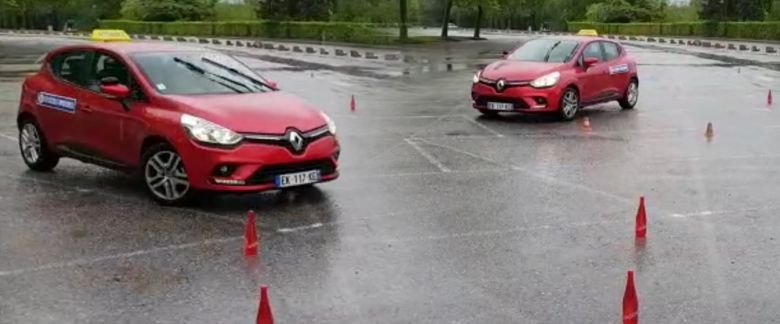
[34, 149]
[631, 96]
[165, 176]
[569, 104]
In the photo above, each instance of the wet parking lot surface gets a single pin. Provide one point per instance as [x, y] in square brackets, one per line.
[440, 215]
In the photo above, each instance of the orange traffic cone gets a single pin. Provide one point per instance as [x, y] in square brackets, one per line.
[586, 125]
[251, 243]
[641, 219]
[630, 301]
[709, 133]
[352, 104]
[264, 315]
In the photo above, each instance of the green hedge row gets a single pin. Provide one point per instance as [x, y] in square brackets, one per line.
[324, 31]
[747, 30]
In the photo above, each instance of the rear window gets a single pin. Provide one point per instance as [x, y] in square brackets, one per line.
[611, 50]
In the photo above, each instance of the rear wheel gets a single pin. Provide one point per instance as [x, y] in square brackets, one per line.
[488, 113]
[165, 176]
[34, 148]
[569, 104]
[631, 96]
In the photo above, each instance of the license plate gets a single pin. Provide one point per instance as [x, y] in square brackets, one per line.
[297, 179]
[502, 106]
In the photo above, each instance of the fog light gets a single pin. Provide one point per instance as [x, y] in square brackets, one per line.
[231, 182]
[223, 170]
[336, 155]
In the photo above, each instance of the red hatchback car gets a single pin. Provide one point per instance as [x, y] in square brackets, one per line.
[185, 119]
[557, 75]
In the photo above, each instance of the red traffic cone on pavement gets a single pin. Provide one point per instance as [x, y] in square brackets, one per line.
[264, 315]
[630, 301]
[352, 104]
[769, 98]
[251, 243]
[709, 133]
[641, 219]
[586, 128]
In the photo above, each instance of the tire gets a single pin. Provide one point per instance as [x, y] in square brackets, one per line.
[34, 147]
[488, 113]
[165, 177]
[569, 104]
[630, 98]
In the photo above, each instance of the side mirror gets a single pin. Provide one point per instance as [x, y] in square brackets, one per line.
[118, 91]
[590, 61]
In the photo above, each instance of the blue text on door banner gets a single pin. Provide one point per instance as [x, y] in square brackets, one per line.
[53, 101]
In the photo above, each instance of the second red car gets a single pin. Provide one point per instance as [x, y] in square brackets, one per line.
[557, 75]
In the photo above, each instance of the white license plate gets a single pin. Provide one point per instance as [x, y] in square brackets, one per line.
[297, 179]
[501, 106]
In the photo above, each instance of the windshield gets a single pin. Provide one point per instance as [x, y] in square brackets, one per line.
[190, 73]
[545, 50]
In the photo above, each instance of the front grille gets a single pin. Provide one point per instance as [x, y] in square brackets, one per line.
[266, 174]
[517, 103]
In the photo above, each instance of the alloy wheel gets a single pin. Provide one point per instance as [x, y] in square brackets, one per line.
[165, 175]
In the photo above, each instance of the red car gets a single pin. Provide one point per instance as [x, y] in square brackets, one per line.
[185, 119]
[557, 75]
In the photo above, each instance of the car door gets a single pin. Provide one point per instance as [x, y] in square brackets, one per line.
[618, 69]
[111, 126]
[58, 100]
[593, 78]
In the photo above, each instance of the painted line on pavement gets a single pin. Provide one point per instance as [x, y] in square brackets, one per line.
[88, 261]
[9, 137]
[300, 228]
[483, 126]
[428, 156]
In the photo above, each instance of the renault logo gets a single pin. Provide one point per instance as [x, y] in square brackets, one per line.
[500, 85]
[296, 140]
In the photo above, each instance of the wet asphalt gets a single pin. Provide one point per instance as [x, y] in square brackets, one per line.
[440, 215]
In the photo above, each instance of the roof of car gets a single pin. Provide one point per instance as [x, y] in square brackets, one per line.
[576, 38]
[141, 47]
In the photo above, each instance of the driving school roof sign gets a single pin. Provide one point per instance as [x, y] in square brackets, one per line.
[110, 35]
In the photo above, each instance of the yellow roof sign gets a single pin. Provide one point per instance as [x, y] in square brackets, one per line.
[110, 35]
[588, 32]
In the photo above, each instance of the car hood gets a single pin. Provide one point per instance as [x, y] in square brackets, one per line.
[517, 70]
[262, 113]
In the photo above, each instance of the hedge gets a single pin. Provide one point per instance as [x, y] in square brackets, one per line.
[324, 31]
[746, 30]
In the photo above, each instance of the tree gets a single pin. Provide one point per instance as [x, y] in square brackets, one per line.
[403, 33]
[445, 18]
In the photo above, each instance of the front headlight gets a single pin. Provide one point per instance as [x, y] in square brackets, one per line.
[207, 132]
[331, 123]
[477, 76]
[547, 80]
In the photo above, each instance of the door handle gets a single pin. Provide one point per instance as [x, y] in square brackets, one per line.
[87, 109]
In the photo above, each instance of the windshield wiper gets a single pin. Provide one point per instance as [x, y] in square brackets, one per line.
[236, 72]
[197, 69]
[547, 56]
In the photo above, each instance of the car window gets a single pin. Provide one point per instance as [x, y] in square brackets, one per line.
[593, 50]
[545, 50]
[72, 66]
[107, 66]
[611, 51]
[186, 73]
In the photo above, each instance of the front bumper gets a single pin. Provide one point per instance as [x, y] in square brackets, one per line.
[251, 167]
[524, 98]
